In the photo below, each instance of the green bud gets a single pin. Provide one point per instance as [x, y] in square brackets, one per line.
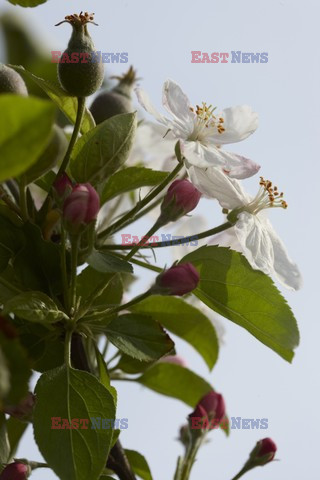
[116, 101]
[11, 81]
[85, 76]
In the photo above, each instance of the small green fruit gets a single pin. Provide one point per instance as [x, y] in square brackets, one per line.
[11, 81]
[118, 100]
[85, 76]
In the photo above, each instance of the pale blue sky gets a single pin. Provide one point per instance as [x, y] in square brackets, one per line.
[159, 37]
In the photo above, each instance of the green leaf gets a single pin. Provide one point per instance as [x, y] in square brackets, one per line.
[104, 375]
[37, 264]
[175, 381]
[131, 365]
[51, 156]
[17, 362]
[11, 238]
[184, 321]
[45, 348]
[27, 3]
[130, 179]
[73, 454]
[25, 128]
[108, 263]
[103, 150]
[35, 307]
[15, 429]
[247, 297]
[5, 256]
[139, 464]
[139, 337]
[9, 286]
[89, 280]
[68, 105]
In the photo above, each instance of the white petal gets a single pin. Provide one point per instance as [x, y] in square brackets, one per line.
[177, 103]
[285, 269]
[203, 156]
[145, 102]
[255, 241]
[241, 167]
[239, 122]
[214, 183]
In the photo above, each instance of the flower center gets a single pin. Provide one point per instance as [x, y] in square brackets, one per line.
[80, 19]
[267, 197]
[206, 122]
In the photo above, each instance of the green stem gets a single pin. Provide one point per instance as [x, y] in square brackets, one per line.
[23, 202]
[140, 214]
[148, 198]
[75, 133]
[140, 263]
[241, 473]
[152, 230]
[7, 200]
[105, 348]
[35, 465]
[64, 268]
[190, 457]
[12, 186]
[125, 306]
[74, 264]
[67, 348]
[172, 243]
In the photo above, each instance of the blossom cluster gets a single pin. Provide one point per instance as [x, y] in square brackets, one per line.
[202, 131]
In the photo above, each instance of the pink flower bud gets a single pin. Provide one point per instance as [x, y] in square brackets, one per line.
[181, 198]
[177, 280]
[15, 471]
[265, 451]
[24, 410]
[62, 186]
[209, 412]
[81, 207]
[175, 359]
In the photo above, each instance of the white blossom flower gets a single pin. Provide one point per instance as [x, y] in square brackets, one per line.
[252, 233]
[202, 130]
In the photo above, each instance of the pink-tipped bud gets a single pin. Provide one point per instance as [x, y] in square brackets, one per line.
[81, 207]
[181, 198]
[15, 471]
[177, 280]
[263, 452]
[24, 410]
[62, 186]
[209, 412]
